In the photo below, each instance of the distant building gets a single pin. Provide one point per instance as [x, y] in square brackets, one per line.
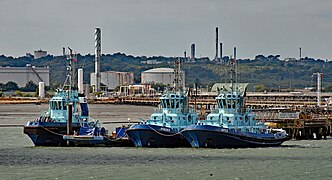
[112, 79]
[29, 55]
[39, 54]
[22, 75]
[160, 75]
[151, 62]
[289, 59]
[137, 89]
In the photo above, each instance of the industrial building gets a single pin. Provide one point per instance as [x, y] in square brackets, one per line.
[160, 75]
[22, 75]
[112, 79]
[39, 54]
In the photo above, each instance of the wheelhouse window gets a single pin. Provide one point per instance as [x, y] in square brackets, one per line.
[222, 103]
[162, 103]
[64, 105]
[52, 105]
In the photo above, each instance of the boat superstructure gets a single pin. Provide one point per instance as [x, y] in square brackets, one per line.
[163, 127]
[232, 125]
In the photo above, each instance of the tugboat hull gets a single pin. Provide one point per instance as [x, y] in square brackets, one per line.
[41, 134]
[143, 135]
[215, 137]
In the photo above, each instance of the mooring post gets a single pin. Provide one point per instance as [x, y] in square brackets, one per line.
[70, 118]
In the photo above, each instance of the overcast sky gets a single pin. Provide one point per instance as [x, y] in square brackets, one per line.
[168, 27]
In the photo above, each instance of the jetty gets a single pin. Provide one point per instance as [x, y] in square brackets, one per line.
[296, 112]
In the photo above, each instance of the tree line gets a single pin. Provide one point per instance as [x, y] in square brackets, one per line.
[268, 71]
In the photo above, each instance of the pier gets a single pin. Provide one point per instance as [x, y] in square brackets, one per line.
[296, 112]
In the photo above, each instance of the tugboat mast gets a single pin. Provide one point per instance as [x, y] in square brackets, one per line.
[70, 81]
[234, 79]
[70, 73]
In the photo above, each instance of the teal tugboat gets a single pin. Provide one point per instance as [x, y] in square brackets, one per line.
[163, 127]
[64, 119]
[232, 125]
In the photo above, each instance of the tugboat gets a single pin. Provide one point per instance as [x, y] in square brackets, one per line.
[56, 126]
[231, 125]
[163, 128]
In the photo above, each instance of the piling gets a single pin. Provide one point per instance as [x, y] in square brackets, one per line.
[70, 118]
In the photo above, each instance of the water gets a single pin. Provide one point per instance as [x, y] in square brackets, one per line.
[19, 159]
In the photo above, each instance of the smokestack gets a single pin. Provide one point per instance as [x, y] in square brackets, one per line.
[97, 58]
[185, 54]
[300, 53]
[234, 53]
[192, 52]
[216, 56]
[220, 51]
[63, 51]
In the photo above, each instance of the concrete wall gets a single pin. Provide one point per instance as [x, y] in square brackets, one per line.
[22, 75]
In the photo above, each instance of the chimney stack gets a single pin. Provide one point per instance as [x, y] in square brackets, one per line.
[234, 53]
[97, 58]
[192, 57]
[220, 51]
[216, 56]
[63, 51]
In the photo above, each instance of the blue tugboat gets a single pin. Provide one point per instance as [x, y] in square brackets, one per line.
[63, 119]
[163, 127]
[232, 125]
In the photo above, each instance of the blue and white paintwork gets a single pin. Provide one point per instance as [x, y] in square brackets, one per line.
[49, 128]
[232, 126]
[163, 127]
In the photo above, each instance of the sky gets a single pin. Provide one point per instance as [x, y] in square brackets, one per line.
[168, 27]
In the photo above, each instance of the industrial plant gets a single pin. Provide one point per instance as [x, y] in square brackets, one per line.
[112, 79]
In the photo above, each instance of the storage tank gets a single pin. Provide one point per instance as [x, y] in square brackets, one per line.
[159, 75]
[22, 75]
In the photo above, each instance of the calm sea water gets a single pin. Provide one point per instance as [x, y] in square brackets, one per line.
[19, 159]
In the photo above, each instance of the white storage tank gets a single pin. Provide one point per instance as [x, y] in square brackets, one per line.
[160, 75]
[22, 75]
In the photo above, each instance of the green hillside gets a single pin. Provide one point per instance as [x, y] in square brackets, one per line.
[268, 71]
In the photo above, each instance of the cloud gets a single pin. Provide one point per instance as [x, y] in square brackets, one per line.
[158, 27]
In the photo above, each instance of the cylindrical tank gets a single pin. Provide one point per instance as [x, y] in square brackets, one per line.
[80, 81]
[41, 90]
[159, 75]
